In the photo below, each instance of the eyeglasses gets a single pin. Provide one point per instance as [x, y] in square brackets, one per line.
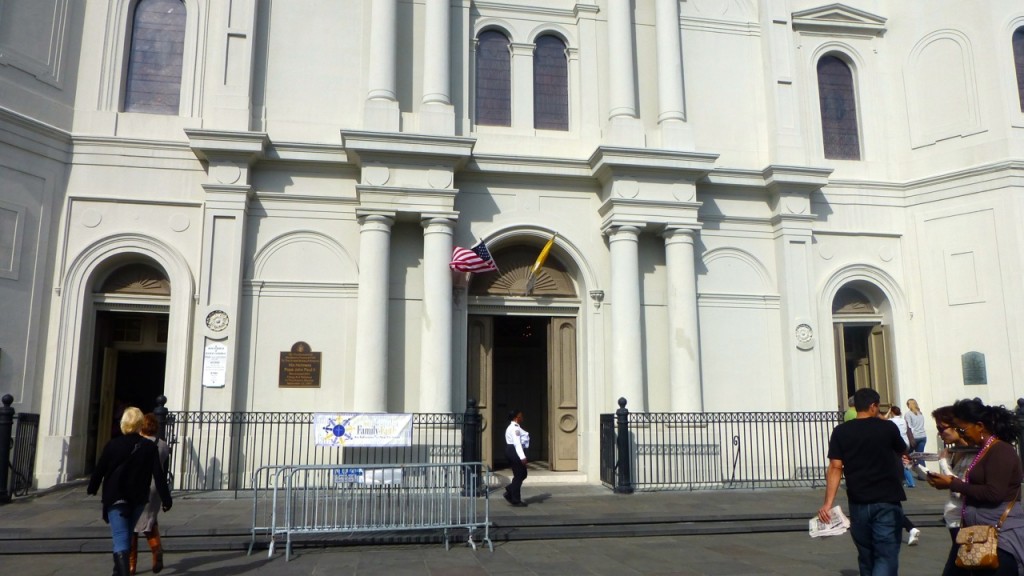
[960, 430]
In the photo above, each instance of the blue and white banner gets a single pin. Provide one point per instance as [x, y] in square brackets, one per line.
[362, 429]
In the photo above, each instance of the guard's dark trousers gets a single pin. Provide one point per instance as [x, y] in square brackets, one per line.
[518, 473]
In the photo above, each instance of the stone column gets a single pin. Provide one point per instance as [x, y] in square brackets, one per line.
[436, 57]
[626, 354]
[683, 336]
[675, 134]
[624, 128]
[437, 116]
[436, 331]
[621, 73]
[381, 108]
[371, 369]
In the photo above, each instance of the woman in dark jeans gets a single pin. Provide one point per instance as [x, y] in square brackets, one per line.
[125, 469]
[991, 483]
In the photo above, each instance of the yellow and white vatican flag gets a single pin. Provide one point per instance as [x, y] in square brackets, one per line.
[535, 271]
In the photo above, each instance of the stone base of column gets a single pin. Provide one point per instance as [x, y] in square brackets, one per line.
[625, 131]
[676, 135]
[437, 119]
[381, 115]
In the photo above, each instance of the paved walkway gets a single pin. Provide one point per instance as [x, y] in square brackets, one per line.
[32, 526]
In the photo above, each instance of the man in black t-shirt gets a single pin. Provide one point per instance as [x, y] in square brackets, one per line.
[868, 451]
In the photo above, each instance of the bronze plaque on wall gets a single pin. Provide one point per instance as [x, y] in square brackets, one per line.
[300, 367]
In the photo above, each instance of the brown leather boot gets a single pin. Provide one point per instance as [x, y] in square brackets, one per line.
[133, 554]
[153, 538]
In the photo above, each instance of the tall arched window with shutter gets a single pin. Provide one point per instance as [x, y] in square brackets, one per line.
[493, 79]
[550, 84]
[1018, 63]
[836, 98]
[153, 78]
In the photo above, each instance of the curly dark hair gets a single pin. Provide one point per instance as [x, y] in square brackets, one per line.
[944, 414]
[996, 419]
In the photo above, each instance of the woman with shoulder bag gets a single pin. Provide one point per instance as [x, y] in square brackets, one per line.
[990, 490]
[125, 469]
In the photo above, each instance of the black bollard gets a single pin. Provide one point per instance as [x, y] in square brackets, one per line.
[472, 449]
[624, 479]
[6, 427]
[161, 417]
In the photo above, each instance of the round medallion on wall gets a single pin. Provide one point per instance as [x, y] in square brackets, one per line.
[804, 337]
[885, 253]
[217, 320]
[179, 223]
[439, 179]
[627, 188]
[376, 175]
[567, 423]
[91, 218]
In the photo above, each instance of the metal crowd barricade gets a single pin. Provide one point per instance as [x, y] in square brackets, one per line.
[332, 499]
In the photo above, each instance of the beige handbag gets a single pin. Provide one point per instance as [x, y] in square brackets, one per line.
[978, 547]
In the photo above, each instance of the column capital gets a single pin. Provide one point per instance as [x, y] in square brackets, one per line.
[617, 227]
[439, 218]
[674, 234]
[522, 48]
[379, 218]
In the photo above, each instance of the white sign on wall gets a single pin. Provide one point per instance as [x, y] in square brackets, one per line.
[215, 365]
[354, 429]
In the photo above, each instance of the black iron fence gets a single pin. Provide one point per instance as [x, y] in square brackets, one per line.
[221, 450]
[17, 454]
[714, 450]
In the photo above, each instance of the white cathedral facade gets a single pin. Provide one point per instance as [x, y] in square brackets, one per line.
[759, 205]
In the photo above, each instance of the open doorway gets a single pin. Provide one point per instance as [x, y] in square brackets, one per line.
[130, 359]
[863, 343]
[520, 382]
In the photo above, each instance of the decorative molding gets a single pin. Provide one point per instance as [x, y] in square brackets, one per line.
[14, 36]
[12, 231]
[839, 19]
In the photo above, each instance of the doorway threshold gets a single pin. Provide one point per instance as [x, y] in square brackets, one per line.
[540, 475]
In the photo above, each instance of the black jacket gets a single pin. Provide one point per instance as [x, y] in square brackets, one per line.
[127, 465]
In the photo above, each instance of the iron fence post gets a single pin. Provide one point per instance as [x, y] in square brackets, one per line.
[1020, 428]
[161, 417]
[472, 446]
[624, 479]
[6, 426]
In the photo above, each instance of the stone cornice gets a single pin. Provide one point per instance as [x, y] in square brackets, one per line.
[606, 160]
[217, 144]
[362, 147]
[795, 179]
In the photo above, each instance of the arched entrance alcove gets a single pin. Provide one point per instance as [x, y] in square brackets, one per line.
[118, 274]
[131, 299]
[526, 351]
[863, 341]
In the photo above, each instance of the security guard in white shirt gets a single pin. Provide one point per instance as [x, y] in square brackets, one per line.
[516, 441]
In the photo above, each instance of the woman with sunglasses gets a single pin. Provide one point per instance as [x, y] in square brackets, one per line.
[954, 458]
[991, 482]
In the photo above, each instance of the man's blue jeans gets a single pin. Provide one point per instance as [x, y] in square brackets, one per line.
[876, 530]
[122, 518]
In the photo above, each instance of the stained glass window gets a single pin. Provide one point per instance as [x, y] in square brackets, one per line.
[154, 62]
[838, 110]
[493, 80]
[550, 85]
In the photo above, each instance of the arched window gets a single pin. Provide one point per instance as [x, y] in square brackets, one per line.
[153, 82]
[838, 109]
[1018, 63]
[550, 84]
[493, 80]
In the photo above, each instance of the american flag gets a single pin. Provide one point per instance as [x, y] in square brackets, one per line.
[475, 259]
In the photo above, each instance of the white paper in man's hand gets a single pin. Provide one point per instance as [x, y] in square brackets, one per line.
[838, 524]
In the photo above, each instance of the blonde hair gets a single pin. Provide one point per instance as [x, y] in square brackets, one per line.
[131, 420]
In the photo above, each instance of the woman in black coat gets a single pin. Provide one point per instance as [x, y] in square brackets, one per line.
[125, 469]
